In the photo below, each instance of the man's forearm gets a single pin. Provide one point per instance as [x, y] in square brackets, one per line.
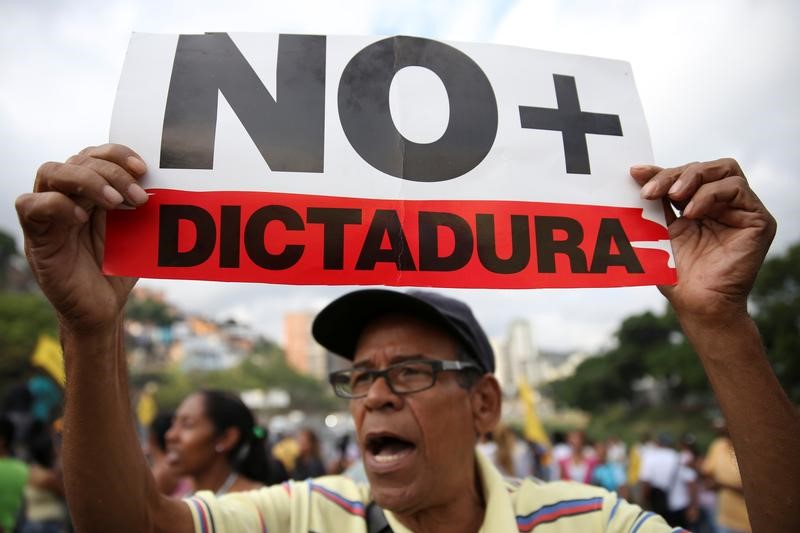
[763, 424]
[107, 481]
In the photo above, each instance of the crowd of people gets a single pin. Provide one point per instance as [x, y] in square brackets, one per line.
[211, 442]
[31, 485]
[692, 488]
[214, 442]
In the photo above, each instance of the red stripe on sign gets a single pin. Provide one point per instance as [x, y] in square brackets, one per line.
[305, 239]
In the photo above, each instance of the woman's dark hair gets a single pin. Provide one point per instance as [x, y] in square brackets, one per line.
[248, 456]
[159, 427]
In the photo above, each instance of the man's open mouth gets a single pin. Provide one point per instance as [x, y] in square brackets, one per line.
[387, 450]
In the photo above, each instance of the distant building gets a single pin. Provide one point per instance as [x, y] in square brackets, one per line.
[241, 337]
[502, 365]
[148, 345]
[302, 351]
[517, 355]
[208, 353]
[202, 344]
[559, 365]
[142, 293]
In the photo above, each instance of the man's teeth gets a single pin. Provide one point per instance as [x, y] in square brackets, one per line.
[387, 457]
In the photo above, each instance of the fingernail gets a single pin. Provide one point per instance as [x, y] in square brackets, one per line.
[137, 194]
[636, 168]
[648, 189]
[688, 209]
[112, 195]
[136, 165]
[676, 187]
[80, 214]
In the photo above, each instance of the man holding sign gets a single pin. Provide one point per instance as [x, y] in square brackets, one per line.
[421, 387]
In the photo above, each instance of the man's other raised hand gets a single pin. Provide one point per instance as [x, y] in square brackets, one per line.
[64, 225]
[719, 240]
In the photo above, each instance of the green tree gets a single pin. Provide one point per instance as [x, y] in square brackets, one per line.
[776, 299]
[8, 249]
[23, 317]
[653, 345]
[149, 311]
[648, 344]
[264, 369]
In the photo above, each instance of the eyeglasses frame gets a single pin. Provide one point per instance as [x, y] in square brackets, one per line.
[437, 366]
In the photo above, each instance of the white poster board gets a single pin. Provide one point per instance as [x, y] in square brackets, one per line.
[309, 159]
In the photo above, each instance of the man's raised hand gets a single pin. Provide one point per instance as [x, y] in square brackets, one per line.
[64, 225]
[719, 240]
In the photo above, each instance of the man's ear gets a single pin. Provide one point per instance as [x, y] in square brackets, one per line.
[487, 400]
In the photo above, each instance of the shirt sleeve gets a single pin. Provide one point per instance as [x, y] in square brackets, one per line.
[267, 509]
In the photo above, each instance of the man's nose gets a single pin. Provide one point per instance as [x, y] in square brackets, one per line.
[381, 396]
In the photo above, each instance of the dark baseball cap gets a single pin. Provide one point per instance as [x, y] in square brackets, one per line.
[339, 326]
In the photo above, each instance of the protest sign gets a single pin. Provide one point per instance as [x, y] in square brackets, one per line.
[305, 159]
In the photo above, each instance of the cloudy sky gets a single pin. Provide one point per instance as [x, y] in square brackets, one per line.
[716, 78]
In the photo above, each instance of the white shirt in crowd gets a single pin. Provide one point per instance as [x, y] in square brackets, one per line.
[663, 468]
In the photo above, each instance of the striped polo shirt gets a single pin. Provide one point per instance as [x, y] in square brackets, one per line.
[335, 504]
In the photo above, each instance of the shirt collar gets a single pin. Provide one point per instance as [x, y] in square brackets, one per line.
[499, 507]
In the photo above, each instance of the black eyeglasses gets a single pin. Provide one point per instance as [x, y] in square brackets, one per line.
[402, 378]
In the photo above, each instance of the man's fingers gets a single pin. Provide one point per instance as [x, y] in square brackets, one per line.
[38, 212]
[658, 185]
[680, 183]
[104, 174]
[119, 178]
[119, 154]
[79, 181]
[697, 174]
[643, 173]
[101, 182]
[731, 192]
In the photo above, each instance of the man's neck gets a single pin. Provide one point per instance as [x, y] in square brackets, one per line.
[461, 515]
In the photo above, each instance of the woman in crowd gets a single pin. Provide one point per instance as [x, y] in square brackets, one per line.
[607, 473]
[155, 449]
[580, 465]
[215, 441]
[309, 461]
[513, 457]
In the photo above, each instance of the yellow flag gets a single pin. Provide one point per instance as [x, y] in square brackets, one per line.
[146, 409]
[534, 431]
[48, 356]
[634, 465]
